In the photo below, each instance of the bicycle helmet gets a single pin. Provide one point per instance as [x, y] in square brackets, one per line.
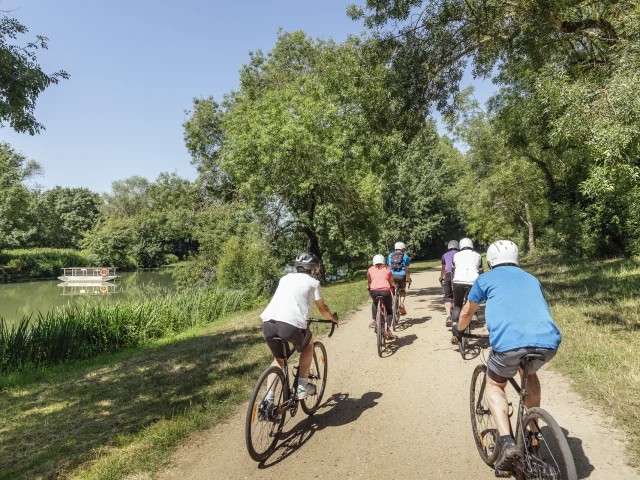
[503, 252]
[307, 260]
[400, 246]
[453, 245]
[466, 243]
[378, 259]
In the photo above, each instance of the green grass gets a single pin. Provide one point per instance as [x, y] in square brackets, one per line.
[38, 262]
[597, 308]
[117, 414]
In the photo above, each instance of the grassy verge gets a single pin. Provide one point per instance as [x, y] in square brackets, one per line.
[64, 334]
[597, 308]
[110, 416]
[38, 262]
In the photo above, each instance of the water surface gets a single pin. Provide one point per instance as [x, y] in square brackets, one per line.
[20, 299]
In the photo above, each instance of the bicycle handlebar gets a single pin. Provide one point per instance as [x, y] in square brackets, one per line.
[333, 324]
[473, 335]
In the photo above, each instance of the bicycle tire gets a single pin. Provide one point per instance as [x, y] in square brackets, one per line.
[482, 426]
[317, 376]
[396, 313]
[463, 342]
[379, 330]
[534, 465]
[254, 416]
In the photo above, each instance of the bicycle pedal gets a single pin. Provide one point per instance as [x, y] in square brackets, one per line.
[503, 473]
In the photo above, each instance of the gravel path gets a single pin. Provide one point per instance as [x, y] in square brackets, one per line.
[403, 416]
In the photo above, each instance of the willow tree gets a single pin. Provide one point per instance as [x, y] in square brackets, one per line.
[301, 133]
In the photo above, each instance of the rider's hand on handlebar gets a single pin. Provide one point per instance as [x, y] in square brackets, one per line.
[335, 318]
[455, 331]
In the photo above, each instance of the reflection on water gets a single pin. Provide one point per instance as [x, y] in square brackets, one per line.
[20, 299]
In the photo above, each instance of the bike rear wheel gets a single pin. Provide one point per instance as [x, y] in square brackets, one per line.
[396, 312]
[380, 326]
[265, 419]
[551, 458]
[317, 376]
[484, 430]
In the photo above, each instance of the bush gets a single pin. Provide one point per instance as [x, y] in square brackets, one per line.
[40, 262]
[68, 334]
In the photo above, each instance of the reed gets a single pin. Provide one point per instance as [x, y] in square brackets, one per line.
[62, 335]
[38, 262]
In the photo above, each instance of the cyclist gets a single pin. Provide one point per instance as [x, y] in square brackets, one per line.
[287, 313]
[465, 268]
[399, 262]
[445, 277]
[519, 323]
[380, 278]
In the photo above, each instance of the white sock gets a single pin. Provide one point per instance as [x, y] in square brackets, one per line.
[270, 396]
[302, 382]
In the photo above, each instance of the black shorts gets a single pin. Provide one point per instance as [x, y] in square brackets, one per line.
[298, 337]
[401, 280]
[448, 288]
[504, 365]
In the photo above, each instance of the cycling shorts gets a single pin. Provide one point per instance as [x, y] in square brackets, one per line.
[298, 337]
[401, 280]
[504, 365]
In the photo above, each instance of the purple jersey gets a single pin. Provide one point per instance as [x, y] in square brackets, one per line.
[447, 260]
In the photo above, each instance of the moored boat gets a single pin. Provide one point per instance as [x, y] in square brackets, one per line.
[88, 274]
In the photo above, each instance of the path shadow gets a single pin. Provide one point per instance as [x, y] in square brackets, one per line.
[397, 343]
[338, 410]
[406, 323]
[583, 465]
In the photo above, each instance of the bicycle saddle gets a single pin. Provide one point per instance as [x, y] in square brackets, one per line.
[532, 356]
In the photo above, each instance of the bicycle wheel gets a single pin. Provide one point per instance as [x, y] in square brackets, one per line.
[463, 341]
[484, 430]
[317, 376]
[265, 419]
[396, 313]
[546, 456]
[380, 330]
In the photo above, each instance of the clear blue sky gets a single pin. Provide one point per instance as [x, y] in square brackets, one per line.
[136, 65]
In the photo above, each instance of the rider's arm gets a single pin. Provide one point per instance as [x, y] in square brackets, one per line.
[368, 281]
[442, 273]
[467, 312]
[324, 310]
[408, 277]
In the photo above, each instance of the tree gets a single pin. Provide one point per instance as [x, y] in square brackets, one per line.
[65, 214]
[17, 201]
[22, 79]
[302, 132]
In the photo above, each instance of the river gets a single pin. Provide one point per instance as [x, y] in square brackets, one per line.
[20, 299]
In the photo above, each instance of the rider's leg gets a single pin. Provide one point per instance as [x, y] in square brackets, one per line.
[388, 305]
[447, 308]
[497, 400]
[306, 356]
[458, 299]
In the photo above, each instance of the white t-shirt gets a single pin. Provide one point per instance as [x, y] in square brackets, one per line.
[467, 264]
[293, 300]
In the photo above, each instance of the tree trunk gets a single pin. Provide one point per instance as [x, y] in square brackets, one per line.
[532, 244]
[314, 241]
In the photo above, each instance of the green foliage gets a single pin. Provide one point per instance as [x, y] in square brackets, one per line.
[68, 334]
[64, 215]
[110, 243]
[22, 80]
[38, 262]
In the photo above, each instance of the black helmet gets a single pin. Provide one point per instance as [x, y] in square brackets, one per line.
[453, 245]
[307, 260]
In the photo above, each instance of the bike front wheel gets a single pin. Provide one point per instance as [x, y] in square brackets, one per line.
[463, 342]
[546, 455]
[484, 430]
[265, 418]
[317, 376]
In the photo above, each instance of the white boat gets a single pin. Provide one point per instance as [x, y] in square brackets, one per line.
[88, 274]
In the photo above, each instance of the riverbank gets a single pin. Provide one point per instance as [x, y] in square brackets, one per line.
[119, 413]
[38, 263]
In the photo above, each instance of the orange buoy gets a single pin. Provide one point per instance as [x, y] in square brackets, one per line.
[104, 272]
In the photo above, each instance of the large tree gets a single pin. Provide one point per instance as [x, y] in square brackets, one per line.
[21, 78]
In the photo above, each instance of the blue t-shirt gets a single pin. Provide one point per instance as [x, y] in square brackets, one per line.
[406, 261]
[517, 314]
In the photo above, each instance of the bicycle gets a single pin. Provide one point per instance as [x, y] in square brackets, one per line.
[536, 459]
[396, 308]
[381, 325]
[266, 419]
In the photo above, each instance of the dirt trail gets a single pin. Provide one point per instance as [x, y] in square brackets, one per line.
[404, 416]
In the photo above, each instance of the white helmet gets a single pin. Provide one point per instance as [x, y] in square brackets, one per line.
[378, 259]
[466, 243]
[502, 252]
[400, 246]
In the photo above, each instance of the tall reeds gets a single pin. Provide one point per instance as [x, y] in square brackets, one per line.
[68, 334]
